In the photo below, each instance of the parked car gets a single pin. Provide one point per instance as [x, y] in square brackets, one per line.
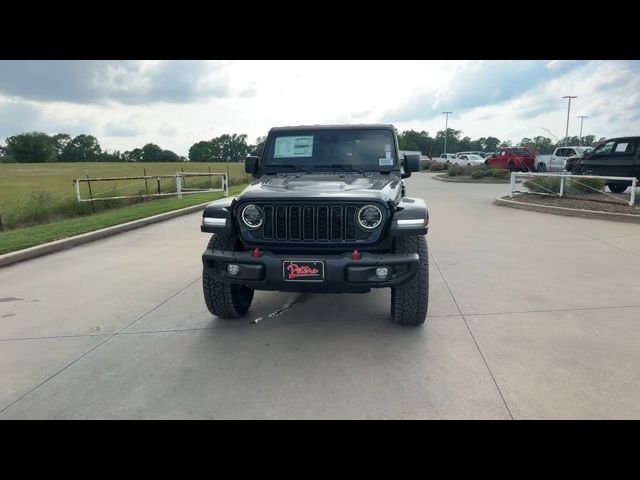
[468, 160]
[301, 227]
[512, 158]
[447, 157]
[615, 157]
[556, 162]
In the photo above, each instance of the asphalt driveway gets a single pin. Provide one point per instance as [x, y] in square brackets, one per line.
[531, 316]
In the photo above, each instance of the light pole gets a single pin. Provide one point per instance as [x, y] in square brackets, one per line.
[581, 117]
[446, 130]
[566, 135]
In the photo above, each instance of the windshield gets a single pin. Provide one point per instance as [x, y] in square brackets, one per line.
[361, 149]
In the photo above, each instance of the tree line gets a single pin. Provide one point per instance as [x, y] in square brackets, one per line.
[35, 147]
[434, 146]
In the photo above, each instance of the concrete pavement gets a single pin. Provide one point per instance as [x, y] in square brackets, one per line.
[531, 316]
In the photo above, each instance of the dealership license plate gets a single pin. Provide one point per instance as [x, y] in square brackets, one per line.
[303, 271]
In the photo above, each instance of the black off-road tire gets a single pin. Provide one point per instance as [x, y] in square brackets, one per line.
[512, 167]
[225, 300]
[542, 167]
[617, 187]
[410, 301]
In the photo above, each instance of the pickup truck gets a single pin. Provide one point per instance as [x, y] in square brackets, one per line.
[557, 161]
[615, 157]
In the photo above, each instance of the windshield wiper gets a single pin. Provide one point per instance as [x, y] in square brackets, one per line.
[290, 165]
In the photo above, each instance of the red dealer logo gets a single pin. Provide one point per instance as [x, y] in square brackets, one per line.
[297, 271]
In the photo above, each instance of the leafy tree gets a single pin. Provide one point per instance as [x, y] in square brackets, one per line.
[83, 148]
[151, 153]
[31, 147]
[201, 152]
[491, 144]
[225, 148]
[259, 146]
[134, 155]
[61, 141]
[167, 156]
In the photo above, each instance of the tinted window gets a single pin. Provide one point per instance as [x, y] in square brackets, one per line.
[604, 148]
[362, 148]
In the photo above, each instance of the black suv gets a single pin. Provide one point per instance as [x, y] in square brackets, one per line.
[326, 213]
[616, 157]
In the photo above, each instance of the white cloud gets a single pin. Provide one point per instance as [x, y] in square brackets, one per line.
[175, 104]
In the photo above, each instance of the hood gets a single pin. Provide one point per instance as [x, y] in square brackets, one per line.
[318, 186]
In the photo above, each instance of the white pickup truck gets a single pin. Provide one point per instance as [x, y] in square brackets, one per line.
[556, 162]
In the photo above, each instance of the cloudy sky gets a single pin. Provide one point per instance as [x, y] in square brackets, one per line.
[176, 103]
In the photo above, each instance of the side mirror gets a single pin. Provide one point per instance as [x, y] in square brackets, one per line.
[251, 165]
[411, 164]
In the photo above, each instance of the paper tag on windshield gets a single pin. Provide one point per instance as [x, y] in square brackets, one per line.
[386, 161]
[294, 147]
[621, 147]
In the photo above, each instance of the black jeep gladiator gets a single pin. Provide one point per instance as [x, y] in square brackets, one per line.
[326, 213]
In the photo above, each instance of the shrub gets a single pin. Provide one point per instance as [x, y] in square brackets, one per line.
[502, 173]
[7, 159]
[478, 173]
[438, 166]
[584, 185]
[425, 164]
[576, 186]
[455, 170]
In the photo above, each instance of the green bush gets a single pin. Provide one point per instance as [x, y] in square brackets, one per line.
[438, 166]
[455, 170]
[478, 173]
[502, 173]
[7, 159]
[575, 186]
[585, 185]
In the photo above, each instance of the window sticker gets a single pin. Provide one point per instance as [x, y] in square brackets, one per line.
[294, 147]
[387, 147]
[386, 161]
[621, 147]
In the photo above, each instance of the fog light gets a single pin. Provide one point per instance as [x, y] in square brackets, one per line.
[233, 269]
[382, 272]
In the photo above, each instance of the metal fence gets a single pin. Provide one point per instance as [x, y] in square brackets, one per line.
[181, 187]
[565, 178]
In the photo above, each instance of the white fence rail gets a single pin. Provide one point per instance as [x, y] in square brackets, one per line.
[564, 176]
[181, 189]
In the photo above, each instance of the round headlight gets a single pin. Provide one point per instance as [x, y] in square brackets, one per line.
[369, 217]
[252, 216]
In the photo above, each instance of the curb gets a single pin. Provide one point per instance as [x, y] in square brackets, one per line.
[569, 212]
[481, 182]
[65, 243]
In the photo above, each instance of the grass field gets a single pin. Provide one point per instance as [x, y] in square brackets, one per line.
[32, 194]
[21, 238]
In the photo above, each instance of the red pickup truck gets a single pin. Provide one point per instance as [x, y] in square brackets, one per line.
[512, 158]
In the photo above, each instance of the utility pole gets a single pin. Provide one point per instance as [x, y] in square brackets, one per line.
[581, 117]
[566, 135]
[446, 131]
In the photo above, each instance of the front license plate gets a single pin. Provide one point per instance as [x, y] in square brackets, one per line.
[303, 271]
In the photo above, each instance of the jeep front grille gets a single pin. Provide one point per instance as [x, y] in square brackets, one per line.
[310, 223]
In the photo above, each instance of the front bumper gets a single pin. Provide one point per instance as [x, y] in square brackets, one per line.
[342, 274]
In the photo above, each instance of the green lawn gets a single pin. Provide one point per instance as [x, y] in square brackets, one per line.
[42, 193]
[21, 238]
